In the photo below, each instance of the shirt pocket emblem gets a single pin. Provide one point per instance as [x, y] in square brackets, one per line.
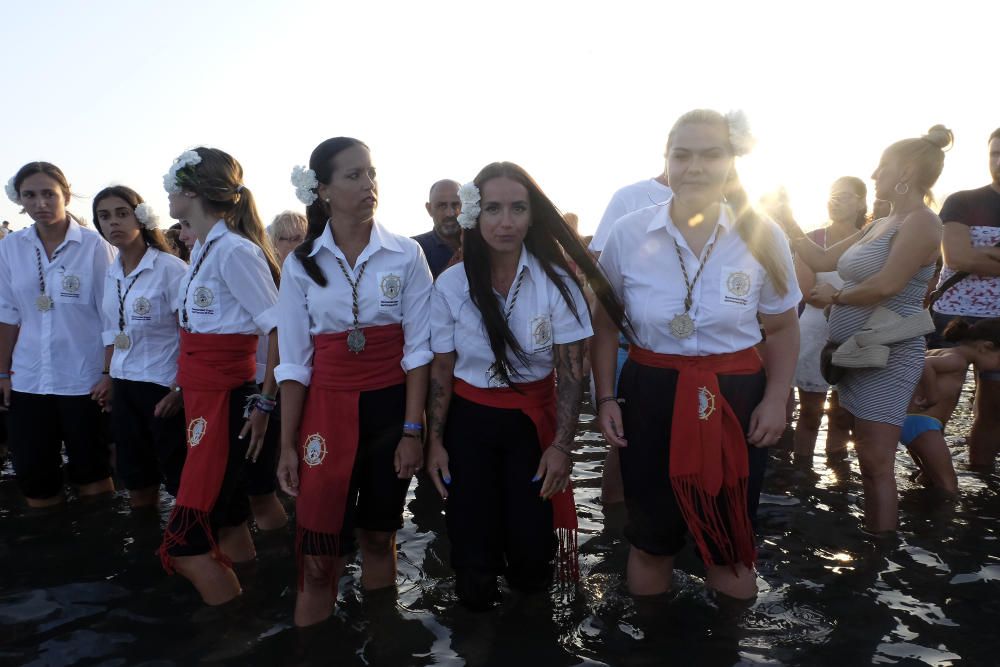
[71, 284]
[390, 287]
[203, 297]
[736, 285]
[541, 333]
[141, 308]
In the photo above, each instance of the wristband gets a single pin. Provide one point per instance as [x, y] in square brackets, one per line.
[606, 399]
[5, 376]
[413, 427]
[268, 397]
[411, 435]
[105, 372]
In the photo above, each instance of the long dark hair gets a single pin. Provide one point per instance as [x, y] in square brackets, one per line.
[218, 180]
[53, 172]
[549, 239]
[154, 238]
[961, 331]
[317, 213]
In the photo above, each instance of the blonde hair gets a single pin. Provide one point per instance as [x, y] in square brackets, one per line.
[287, 223]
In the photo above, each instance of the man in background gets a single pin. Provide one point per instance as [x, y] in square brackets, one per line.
[441, 243]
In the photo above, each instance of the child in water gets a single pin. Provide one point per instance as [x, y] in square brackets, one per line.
[937, 395]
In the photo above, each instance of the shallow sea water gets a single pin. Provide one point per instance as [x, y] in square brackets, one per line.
[83, 586]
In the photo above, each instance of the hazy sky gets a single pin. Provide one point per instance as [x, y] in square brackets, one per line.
[580, 96]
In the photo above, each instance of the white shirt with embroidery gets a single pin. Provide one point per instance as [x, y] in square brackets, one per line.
[539, 318]
[233, 291]
[642, 266]
[58, 351]
[649, 192]
[149, 293]
[395, 288]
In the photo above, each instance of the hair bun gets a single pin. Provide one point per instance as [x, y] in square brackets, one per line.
[940, 136]
[957, 330]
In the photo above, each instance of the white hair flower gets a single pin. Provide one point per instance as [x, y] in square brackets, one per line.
[469, 196]
[740, 137]
[305, 182]
[147, 217]
[186, 159]
[12, 191]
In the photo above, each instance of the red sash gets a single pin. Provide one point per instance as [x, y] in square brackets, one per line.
[537, 400]
[210, 366]
[708, 452]
[329, 429]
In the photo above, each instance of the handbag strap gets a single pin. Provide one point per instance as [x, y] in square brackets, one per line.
[953, 280]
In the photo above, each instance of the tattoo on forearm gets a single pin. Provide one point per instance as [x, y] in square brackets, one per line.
[569, 390]
[436, 408]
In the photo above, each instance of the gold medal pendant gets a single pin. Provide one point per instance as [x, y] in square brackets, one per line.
[43, 302]
[122, 341]
[682, 326]
[356, 341]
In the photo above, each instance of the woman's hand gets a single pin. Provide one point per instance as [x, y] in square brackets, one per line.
[101, 392]
[767, 423]
[169, 405]
[554, 470]
[609, 418]
[288, 471]
[409, 457]
[822, 294]
[437, 467]
[256, 426]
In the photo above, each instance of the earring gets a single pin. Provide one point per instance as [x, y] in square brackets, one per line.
[902, 188]
[327, 200]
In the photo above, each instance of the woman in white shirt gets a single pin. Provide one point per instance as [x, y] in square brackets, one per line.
[226, 301]
[694, 403]
[355, 344]
[53, 367]
[140, 325]
[506, 322]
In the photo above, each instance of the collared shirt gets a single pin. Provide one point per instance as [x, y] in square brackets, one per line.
[58, 351]
[233, 291]
[642, 266]
[539, 318]
[437, 252]
[395, 288]
[149, 294]
[649, 192]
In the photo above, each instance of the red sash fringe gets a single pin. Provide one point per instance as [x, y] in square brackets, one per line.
[537, 400]
[209, 368]
[329, 431]
[709, 465]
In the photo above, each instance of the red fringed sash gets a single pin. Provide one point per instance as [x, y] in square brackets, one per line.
[329, 430]
[709, 465]
[537, 400]
[209, 368]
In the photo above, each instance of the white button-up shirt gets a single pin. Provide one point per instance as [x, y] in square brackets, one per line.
[149, 294]
[233, 291]
[539, 318]
[395, 288]
[58, 351]
[643, 268]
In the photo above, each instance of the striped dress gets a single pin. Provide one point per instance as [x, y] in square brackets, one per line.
[879, 394]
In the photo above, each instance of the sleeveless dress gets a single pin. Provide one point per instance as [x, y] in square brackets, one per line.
[814, 331]
[879, 394]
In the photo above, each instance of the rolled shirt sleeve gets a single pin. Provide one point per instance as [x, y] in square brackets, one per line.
[416, 303]
[442, 323]
[247, 276]
[295, 343]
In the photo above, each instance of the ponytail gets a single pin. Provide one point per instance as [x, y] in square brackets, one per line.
[756, 235]
[316, 222]
[245, 221]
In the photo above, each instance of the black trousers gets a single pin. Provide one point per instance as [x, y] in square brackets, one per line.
[148, 449]
[497, 522]
[655, 523]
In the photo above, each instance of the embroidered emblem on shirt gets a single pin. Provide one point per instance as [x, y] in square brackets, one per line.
[314, 450]
[196, 431]
[541, 330]
[71, 284]
[738, 283]
[706, 403]
[391, 286]
[203, 297]
[141, 306]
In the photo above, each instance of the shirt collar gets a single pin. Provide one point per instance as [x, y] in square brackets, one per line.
[662, 219]
[74, 234]
[148, 261]
[380, 238]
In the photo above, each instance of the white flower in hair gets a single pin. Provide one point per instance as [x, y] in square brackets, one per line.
[469, 195]
[740, 137]
[147, 217]
[305, 182]
[12, 191]
[186, 159]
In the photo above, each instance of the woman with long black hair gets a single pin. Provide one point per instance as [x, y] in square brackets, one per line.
[355, 345]
[508, 329]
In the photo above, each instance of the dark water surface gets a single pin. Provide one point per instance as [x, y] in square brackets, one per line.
[82, 586]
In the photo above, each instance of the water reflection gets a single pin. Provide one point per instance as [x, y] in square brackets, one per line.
[83, 586]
